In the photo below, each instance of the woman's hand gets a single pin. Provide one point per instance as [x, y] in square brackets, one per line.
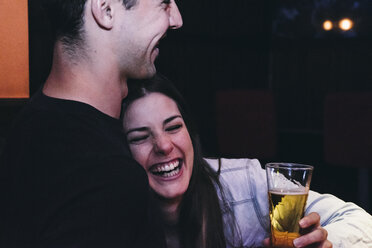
[313, 235]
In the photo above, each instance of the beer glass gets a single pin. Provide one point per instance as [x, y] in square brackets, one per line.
[288, 187]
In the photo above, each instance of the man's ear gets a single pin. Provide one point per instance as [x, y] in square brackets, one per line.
[103, 13]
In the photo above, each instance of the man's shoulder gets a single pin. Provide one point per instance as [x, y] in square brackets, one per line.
[42, 135]
[57, 120]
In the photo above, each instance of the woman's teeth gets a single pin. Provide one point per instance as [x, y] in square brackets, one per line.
[171, 174]
[167, 170]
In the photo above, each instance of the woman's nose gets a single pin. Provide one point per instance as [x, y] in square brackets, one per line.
[163, 145]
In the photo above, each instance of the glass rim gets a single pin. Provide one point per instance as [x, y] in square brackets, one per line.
[286, 165]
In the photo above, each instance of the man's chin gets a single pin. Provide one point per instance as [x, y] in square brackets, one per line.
[146, 72]
[150, 72]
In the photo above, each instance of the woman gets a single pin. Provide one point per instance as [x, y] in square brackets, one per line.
[217, 203]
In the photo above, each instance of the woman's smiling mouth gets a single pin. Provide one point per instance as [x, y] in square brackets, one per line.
[168, 169]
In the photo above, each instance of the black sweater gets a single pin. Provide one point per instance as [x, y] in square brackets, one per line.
[67, 180]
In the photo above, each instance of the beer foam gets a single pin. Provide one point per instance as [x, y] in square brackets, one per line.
[279, 183]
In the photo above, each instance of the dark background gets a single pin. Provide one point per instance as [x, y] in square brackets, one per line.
[271, 45]
[280, 47]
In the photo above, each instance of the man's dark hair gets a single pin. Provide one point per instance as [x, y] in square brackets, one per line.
[66, 18]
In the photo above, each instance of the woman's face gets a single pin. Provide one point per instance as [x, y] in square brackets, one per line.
[160, 142]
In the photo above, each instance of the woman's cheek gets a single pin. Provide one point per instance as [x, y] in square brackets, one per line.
[139, 154]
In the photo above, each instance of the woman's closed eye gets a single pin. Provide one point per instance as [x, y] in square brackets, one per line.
[173, 128]
[137, 139]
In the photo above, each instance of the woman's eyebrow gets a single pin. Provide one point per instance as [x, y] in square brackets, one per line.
[171, 119]
[138, 129]
[142, 129]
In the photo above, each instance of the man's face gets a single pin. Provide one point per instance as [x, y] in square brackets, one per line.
[141, 29]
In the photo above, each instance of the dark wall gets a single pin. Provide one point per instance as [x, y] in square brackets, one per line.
[259, 45]
[220, 46]
[247, 45]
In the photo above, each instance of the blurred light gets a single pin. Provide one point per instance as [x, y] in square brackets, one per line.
[345, 24]
[327, 25]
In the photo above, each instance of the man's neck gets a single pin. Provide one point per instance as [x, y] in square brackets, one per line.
[97, 85]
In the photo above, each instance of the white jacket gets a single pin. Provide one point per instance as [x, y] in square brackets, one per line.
[348, 225]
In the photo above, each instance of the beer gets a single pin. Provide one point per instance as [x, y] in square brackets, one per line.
[286, 210]
[288, 186]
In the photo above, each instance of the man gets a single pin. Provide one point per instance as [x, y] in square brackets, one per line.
[67, 179]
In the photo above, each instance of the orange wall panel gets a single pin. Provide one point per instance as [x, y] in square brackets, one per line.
[14, 67]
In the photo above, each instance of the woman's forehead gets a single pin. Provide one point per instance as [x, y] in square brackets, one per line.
[153, 106]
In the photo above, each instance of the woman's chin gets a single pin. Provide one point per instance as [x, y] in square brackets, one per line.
[170, 195]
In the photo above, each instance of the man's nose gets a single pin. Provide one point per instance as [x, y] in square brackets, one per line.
[163, 145]
[175, 18]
